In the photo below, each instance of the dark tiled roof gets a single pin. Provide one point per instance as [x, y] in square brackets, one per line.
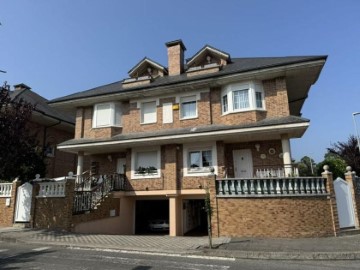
[238, 65]
[41, 105]
[192, 130]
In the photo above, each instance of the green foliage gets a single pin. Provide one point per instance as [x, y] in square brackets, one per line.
[146, 170]
[19, 156]
[336, 165]
[348, 152]
[306, 166]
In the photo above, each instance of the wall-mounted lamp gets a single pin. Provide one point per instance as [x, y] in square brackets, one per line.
[257, 146]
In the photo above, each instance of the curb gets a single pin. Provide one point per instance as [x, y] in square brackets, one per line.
[300, 256]
[205, 252]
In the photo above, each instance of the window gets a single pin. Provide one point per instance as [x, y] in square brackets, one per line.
[199, 159]
[225, 103]
[107, 114]
[259, 100]
[242, 97]
[188, 107]
[148, 112]
[145, 163]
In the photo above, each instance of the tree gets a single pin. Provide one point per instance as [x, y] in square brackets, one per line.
[19, 156]
[336, 164]
[347, 151]
[307, 166]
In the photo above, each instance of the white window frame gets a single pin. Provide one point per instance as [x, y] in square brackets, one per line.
[252, 87]
[202, 171]
[114, 115]
[187, 99]
[154, 120]
[134, 154]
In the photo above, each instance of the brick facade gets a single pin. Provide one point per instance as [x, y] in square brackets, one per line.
[247, 94]
[7, 213]
[59, 163]
[208, 108]
[275, 217]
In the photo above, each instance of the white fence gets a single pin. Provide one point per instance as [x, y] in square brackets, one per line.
[279, 172]
[5, 189]
[271, 187]
[52, 189]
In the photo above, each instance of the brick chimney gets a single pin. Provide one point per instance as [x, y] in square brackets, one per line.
[175, 51]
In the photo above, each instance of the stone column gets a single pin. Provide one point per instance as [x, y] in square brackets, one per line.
[175, 216]
[286, 155]
[355, 198]
[333, 207]
[211, 185]
[80, 166]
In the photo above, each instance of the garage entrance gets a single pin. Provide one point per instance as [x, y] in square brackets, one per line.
[152, 217]
[194, 218]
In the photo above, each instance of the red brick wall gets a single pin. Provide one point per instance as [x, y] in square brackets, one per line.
[274, 217]
[276, 102]
[7, 212]
[53, 213]
[276, 98]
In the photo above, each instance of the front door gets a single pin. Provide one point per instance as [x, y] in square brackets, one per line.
[243, 164]
[121, 162]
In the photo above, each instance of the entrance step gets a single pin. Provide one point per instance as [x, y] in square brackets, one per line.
[21, 225]
[349, 231]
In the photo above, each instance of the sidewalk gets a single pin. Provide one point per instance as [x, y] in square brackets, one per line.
[332, 248]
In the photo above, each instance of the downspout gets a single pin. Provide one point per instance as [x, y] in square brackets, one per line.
[210, 101]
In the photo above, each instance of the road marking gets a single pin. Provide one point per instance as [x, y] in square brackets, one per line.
[40, 248]
[3, 250]
[158, 254]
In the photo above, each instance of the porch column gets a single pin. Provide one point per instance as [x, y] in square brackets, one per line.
[80, 166]
[286, 155]
[174, 216]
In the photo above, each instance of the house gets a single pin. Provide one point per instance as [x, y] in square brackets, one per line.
[51, 127]
[213, 124]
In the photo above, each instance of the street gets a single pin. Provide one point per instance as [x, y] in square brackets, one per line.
[20, 256]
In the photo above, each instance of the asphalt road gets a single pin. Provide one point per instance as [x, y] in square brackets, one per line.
[17, 256]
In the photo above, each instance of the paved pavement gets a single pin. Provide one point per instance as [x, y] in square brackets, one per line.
[331, 248]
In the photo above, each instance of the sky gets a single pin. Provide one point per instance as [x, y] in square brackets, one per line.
[63, 47]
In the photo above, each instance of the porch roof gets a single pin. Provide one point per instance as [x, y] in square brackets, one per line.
[267, 129]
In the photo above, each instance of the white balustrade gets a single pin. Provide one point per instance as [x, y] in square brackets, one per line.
[52, 189]
[273, 187]
[5, 189]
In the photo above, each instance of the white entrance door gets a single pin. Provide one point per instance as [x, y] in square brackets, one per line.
[121, 162]
[243, 164]
[344, 203]
[23, 203]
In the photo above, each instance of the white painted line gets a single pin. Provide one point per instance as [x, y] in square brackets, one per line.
[3, 250]
[40, 248]
[158, 254]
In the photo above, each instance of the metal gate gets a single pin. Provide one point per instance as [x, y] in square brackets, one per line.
[23, 203]
[344, 203]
